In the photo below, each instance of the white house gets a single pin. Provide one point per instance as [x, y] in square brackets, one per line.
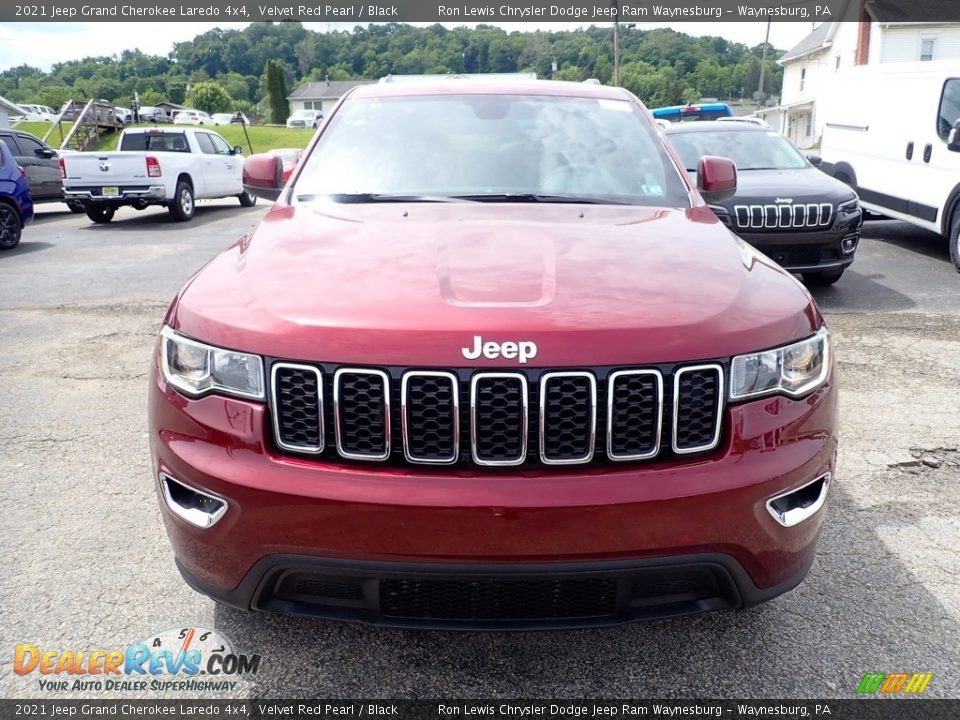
[810, 67]
[8, 110]
[321, 95]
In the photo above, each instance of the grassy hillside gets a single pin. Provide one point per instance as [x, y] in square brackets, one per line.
[262, 137]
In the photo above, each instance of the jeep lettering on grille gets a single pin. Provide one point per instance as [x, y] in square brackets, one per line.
[522, 349]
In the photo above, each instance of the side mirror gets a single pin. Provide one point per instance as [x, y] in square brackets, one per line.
[815, 160]
[263, 176]
[716, 178]
[238, 149]
[47, 153]
[953, 139]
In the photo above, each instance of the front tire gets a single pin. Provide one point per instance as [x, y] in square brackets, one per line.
[10, 227]
[182, 206]
[100, 214]
[246, 199]
[823, 279]
[955, 239]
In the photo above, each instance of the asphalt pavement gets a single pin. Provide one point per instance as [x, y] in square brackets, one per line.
[88, 566]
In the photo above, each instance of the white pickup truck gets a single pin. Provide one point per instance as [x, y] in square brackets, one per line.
[155, 166]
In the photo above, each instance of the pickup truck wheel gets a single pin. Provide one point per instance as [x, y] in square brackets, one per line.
[10, 227]
[246, 199]
[955, 239]
[182, 207]
[100, 213]
[822, 279]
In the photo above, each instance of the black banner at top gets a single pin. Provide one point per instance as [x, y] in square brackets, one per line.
[478, 11]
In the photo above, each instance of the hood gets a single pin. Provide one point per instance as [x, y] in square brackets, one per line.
[412, 284]
[802, 185]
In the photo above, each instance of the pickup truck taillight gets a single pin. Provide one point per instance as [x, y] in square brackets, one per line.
[153, 167]
[63, 170]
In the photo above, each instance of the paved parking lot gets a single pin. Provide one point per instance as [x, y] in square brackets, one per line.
[87, 564]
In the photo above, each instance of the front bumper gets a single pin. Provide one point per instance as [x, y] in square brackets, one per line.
[401, 547]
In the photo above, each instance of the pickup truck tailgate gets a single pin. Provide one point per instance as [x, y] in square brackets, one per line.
[112, 169]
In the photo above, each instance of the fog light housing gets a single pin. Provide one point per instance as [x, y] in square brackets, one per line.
[849, 244]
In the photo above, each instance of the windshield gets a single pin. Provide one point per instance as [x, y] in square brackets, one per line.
[748, 150]
[487, 146]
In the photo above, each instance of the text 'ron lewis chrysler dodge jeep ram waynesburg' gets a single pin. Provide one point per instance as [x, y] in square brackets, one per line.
[490, 361]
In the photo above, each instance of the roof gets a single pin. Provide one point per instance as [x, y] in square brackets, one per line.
[819, 39]
[713, 126]
[10, 107]
[325, 89]
[445, 85]
[167, 103]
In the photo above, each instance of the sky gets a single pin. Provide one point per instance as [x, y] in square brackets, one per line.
[43, 44]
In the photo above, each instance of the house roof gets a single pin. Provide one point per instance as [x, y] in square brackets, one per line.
[10, 107]
[325, 89]
[819, 39]
[172, 105]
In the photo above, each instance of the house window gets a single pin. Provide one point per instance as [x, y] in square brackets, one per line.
[310, 105]
[836, 63]
[927, 46]
[803, 77]
[809, 118]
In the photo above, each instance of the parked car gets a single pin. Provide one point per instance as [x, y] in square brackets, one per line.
[690, 113]
[172, 168]
[41, 164]
[39, 113]
[305, 119]
[290, 157]
[235, 118]
[192, 117]
[149, 113]
[16, 205]
[124, 115]
[490, 361]
[809, 223]
[904, 164]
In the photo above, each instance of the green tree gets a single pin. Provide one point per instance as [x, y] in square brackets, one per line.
[277, 92]
[210, 97]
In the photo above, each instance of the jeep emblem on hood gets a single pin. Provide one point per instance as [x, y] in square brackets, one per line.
[523, 349]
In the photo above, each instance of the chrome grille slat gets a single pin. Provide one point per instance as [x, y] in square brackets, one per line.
[689, 418]
[298, 421]
[362, 398]
[557, 432]
[505, 418]
[422, 419]
[634, 414]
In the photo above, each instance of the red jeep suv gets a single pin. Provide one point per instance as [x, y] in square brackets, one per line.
[490, 361]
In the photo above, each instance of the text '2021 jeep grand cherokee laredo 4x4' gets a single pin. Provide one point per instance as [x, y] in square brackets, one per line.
[491, 361]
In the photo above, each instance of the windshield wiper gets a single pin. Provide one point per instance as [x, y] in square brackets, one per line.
[347, 198]
[526, 197]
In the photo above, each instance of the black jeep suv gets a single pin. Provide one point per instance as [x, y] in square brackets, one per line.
[784, 206]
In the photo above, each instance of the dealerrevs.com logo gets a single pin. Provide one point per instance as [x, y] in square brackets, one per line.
[894, 683]
[187, 659]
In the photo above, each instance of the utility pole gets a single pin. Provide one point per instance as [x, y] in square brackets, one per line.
[616, 42]
[763, 60]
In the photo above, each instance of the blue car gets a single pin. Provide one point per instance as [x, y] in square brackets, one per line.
[16, 205]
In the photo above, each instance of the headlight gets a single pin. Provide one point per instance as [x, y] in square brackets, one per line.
[849, 207]
[793, 370]
[198, 369]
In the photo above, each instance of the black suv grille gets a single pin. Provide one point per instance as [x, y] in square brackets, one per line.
[529, 418]
[498, 599]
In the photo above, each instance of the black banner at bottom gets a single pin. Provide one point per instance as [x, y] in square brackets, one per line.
[860, 709]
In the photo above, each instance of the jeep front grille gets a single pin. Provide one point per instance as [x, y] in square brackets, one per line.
[526, 418]
[800, 216]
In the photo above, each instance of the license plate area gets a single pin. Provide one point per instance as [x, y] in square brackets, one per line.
[110, 191]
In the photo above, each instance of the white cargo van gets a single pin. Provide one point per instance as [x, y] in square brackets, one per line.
[891, 131]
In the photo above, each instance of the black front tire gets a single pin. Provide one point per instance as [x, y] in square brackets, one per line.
[11, 228]
[246, 199]
[955, 239]
[183, 205]
[100, 214]
[823, 279]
